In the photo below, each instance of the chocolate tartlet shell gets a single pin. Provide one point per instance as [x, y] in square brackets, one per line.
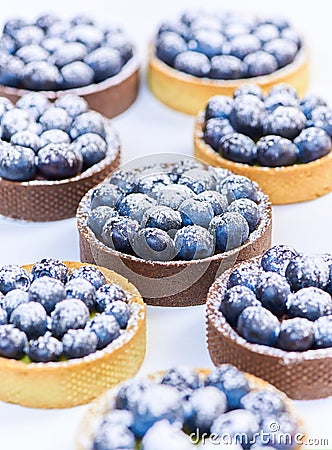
[110, 97]
[189, 94]
[301, 375]
[287, 184]
[44, 201]
[77, 381]
[171, 283]
[105, 402]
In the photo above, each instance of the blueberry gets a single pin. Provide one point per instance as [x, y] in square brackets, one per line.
[248, 209]
[275, 151]
[241, 426]
[105, 62]
[280, 99]
[55, 118]
[176, 27]
[31, 318]
[321, 117]
[323, 332]
[12, 342]
[13, 299]
[206, 404]
[108, 294]
[150, 183]
[13, 277]
[219, 106]
[246, 274]
[310, 303]
[234, 301]
[68, 53]
[11, 71]
[169, 45]
[183, 166]
[291, 35]
[5, 105]
[34, 103]
[92, 147]
[235, 28]
[242, 45]
[82, 19]
[98, 217]
[286, 427]
[285, 121]
[120, 42]
[106, 329]
[248, 115]
[45, 349]
[172, 437]
[17, 163]
[260, 63]
[193, 242]
[89, 122]
[76, 74]
[154, 244]
[266, 32]
[68, 314]
[185, 380]
[230, 231]
[215, 129]
[123, 180]
[193, 63]
[217, 201]
[29, 34]
[273, 290]
[54, 137]
[283, 89]
[198, 180]
[311, 102]
[120, 311]
[59, 161]
[296, 334]
[305, 271]
[279, 21]
[106, 195]
[47, 291]
[312, 143]
[41, 76]
[83, 290]
[248, 89]
[227, 67]
[258, 325]
[172, 196]
[51, 44]
[117, 417]
[89, 35]
[91, 274]
[237, 147]
[284, 50]
[131, 393]
[135, 205]
[162, 217]
[30, 53]
[46, 20]
[50, 267]
[236, 186]
[111, 437]
[196, 212]
[208, 42]
[3, 316]
[79, 343]
[204, 21]
[11, 26]
[73, 104]
[27, 139]
[13, 121]
[263, 403]
[276, 259]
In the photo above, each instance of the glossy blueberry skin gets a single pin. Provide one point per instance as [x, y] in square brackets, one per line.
[260, 63]
[273, 291]
[3, 316]
[193, 242]
[12, 342]
[321, 117]
[323, 332]
[98, 217]
[248, 89]
[311, 102]
[237, 186]
[285, 121]
[263, 403]
[105, 62]
[50, 267]
[258, 325]
[230, 231]
[17, 163]
[91, 274]
[246, 274]
[59, 161]
[13, 277]
[313, 143]
[198, 180]
[276, 258]
[248, 115]
[215, 129]
[79, 343]
[27, 139]
[169, 45]
[68, 314]
[193, 63]
[183, 379]
[110, 437]
[118, 233]
[217, 201]
[196, 212]
[13, 299]
[305, 271]
[219, 106]
[31, 318]
[284, 50]
[45, 349]
[310, 303]
[41, 75]
[106, 329]
[276, 151]
[208, 42]
[296, 334]
[234, 301]
[108, 294]
[162, 217]
[83, 290]
[47, 291]
[237, 147]
[227, 67]
[154, 244]
[120, 311]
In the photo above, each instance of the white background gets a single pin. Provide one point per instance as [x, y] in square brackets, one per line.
[177, 335]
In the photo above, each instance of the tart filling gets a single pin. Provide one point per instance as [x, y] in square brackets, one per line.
[187, 409]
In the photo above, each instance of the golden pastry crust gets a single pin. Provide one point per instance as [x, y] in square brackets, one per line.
[102, 404]
[301, 375]
[287, 184]
[77, 381]
[190, 94]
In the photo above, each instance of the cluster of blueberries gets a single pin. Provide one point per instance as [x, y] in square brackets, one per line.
[273, 130]
[162, 413]
[57, 54]
[52, 314]
[51, 141]
[227, 46]
[285, 301]
[182, 211]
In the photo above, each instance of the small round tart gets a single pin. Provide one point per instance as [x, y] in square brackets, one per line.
[204, 54]
[189, 409]
[57, 56]
[272, 316]
[171, 228]
[51, 155]
[281, 142]
[68, 331]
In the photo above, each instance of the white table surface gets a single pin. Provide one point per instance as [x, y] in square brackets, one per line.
[174, 335]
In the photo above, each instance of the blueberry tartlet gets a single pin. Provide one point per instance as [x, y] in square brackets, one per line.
[170, 228]
[68, 331]
[186, 409]
[58, 56]
[278, 140]
[272, 316]
[203, 54]
[51, 154]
